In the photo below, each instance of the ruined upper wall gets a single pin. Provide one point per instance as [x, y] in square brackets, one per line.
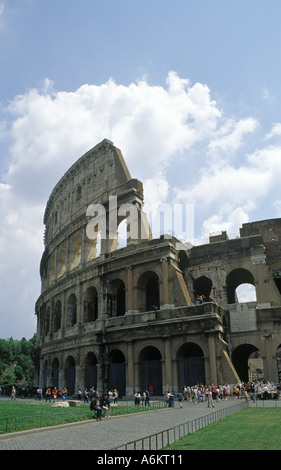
[270, 231]
[98, 174]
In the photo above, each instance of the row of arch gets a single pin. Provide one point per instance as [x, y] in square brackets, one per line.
[148, 299]
[78, 248]
[190, 359]
[190, 368]
[240, 286]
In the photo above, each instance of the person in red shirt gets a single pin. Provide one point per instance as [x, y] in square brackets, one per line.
[55, 393]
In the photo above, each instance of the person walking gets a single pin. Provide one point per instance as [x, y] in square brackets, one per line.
[210, 398]
[86, 395]
[180, 398]
[105, 405]
[147, 398]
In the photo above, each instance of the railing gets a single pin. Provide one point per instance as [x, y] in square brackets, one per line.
[260, 403]
[163, 438]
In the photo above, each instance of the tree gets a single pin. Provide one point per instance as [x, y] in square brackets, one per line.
[16, 363]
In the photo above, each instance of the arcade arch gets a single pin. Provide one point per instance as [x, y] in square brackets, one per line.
[117, 372]
[236, 278]
[183, 260]
[245, 293]
[240, 358]
[191, 365]
[70, 375]
[116, 298]
[148, 288]
[202, 286]
[90, 305]
[55, 373]
[57, 316]
[90, 370]
[71, 311]
[75, 252]
[150, 360]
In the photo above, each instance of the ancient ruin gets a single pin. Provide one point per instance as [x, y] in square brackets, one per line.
[127, 317]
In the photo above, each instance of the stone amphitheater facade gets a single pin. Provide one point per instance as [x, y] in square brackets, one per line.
[125, 318]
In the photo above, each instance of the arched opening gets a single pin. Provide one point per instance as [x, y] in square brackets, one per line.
[151, 370]
[191, 366]
[245, 293]
[122, 234]
[121, 303]
[127, 222]
[93, 246]
[117, 372]
[116, 299]
[75, 252]
[152, 293]
[57, 316]
[148, 287]
[71, 311]
[62, 260]
[183, 261]
[55, 372]
[90, 370]
[240, 359]
[90, 305]
[52, 269]
[234, 279]
[70, 373]
[202, 287]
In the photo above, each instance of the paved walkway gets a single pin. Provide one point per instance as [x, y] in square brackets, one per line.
[106, 434]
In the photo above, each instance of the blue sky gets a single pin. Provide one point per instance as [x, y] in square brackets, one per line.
[189, 90]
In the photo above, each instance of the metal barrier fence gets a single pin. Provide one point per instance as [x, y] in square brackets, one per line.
[168, 436]
[259, 403]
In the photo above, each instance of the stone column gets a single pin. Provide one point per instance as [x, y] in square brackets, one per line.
[130, 299]
[165, 298]
[79, 306]
[168, 363]
[270, 362]
[212, 358]
[130, 370]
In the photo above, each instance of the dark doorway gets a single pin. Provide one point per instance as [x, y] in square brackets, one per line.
[191, 366]
[202, 286]
[117, 372]
[90, 305]
[240, 357]
[90, 370]
[121, 303]
[55, 373]
[152, 293]
[70, 375]
[151, 370]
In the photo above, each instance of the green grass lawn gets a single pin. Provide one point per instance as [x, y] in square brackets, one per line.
[251, 429]
[30, 415]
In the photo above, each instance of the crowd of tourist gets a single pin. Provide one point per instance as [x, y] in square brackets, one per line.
[263, 390]
[197, 394]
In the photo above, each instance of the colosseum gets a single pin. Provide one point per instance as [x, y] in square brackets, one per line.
[152, 311]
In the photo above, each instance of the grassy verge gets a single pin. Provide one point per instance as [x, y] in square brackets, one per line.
[31, 415]
[251, 429]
